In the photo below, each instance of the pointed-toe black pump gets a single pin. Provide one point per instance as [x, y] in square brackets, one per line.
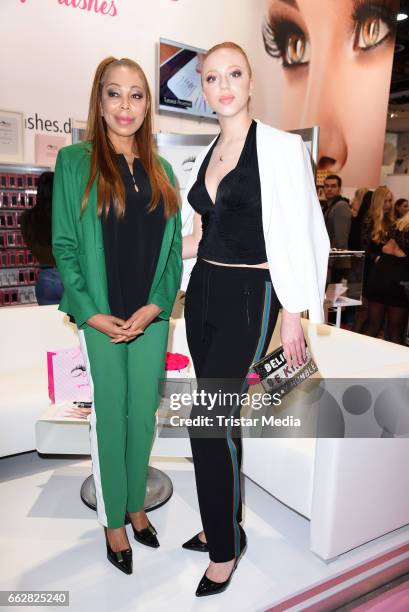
[146, 536]
[196, 544]
[121, 559]
[209, 587]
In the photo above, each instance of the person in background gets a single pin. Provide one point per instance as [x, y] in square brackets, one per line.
[357, 201]
[36, 230]
[359, 209]
[338, 214]
[357, 238]
[375, 234]
[376, 226]
[322, 198]
[401, 208]
[386, 294]
[337, 218]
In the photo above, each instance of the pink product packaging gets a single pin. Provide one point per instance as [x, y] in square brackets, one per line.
[21, 181]
[67, 376]
[8, 219]
[8, 297]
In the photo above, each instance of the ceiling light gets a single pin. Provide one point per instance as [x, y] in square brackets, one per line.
[402, 16]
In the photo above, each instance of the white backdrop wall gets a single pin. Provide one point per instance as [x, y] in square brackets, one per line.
[50, 50]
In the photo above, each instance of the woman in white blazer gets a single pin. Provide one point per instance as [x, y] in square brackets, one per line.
[252, 218]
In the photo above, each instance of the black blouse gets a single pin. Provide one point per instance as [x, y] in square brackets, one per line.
[232, 226]
[132, 244]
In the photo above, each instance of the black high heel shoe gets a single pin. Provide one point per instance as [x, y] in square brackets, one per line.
[121, 559]
[146, 536]
[209, 587]
[196, 544]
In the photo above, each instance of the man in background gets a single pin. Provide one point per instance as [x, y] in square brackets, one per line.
[338, 218]
[338, 213]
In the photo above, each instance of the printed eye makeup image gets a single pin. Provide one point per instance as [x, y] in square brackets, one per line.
[336, 60]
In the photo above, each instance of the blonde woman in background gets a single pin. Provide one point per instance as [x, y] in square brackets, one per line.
[386, 295]
[384, 272]
[375, 227]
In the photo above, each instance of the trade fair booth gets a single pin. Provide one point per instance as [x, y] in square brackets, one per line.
[327, 507]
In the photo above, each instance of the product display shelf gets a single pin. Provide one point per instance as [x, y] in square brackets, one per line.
[18, 267]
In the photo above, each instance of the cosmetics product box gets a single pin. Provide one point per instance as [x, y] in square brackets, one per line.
[30, 200]
[10, 239]
[30, 181]
[4, 199]
[21, 181]
[12, 179]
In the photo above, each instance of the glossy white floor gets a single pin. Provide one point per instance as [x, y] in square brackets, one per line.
[51, 540]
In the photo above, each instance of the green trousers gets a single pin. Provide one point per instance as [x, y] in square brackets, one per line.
[125, 381]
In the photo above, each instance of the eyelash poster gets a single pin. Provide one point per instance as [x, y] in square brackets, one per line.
[46, 149]
[180, 87]
[338, 82]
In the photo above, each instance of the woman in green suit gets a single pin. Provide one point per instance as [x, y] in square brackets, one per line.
[117, 244]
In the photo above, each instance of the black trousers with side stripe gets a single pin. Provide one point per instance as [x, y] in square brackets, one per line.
[230, 316]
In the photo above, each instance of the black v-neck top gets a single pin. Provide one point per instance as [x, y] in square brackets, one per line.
[232, 226]
[132, 244]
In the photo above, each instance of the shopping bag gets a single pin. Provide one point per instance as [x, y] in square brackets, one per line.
[67, 376]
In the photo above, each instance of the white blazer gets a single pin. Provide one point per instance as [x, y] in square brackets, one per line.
[296, 239]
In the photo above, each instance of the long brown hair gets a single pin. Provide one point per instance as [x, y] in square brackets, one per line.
[104, 167]
[381, 220]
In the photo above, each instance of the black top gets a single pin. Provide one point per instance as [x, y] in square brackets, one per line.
[132, 244]
[402, 239]
[232, 226]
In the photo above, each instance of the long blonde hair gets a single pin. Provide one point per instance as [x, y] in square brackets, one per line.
[110, 186]
[357, 200]
[381, 220]
[402, 224]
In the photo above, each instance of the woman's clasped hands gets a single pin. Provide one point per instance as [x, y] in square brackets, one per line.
[120, 330]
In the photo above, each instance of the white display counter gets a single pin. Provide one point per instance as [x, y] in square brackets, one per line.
[352, 490]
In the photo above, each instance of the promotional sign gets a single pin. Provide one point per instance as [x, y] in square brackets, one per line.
[180, 87]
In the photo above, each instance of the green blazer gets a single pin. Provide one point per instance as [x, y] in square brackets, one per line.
[78, 244]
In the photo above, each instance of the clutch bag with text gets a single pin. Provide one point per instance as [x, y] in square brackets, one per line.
[273, 372]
